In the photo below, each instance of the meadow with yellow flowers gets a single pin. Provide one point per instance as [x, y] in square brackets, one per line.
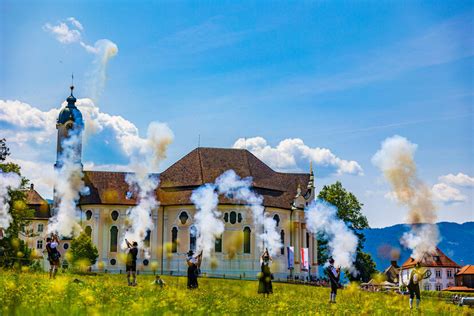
[106, 294]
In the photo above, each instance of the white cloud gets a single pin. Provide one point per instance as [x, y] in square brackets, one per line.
[63, 32]
[293, 154]
[447, 194]
[76, 23]
[461, 179]
[31, 136]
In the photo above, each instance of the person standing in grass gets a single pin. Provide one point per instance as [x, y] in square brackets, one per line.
[131, 265]
[333, 275]
[416, 275]
[52, 244]
[265, 279]
[194, 264]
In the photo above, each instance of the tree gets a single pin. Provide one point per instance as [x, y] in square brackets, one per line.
[349, 209]
[83, 253]
[4, 150]
[13, 251]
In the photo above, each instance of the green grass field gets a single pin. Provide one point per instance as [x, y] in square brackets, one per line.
[35, 294]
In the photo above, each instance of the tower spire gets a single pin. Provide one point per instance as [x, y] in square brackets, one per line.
[72, 83]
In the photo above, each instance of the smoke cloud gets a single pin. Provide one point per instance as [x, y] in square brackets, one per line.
[8, 181]
[69, 186]
[321, 217]
[396, 161]
[230, 184]
[71, 31]
[144, 162]
[207, 218]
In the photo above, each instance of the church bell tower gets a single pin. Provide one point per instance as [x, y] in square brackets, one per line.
[70, 125]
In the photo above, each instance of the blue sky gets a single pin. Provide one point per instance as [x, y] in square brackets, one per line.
[341, 75]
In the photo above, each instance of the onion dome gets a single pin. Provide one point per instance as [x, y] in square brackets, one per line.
[71, 112]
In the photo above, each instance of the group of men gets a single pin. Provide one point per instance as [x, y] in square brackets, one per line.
[194, 264]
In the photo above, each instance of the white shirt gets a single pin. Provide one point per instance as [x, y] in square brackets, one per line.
[53, 245]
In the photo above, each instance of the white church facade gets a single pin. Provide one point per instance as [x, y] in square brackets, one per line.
[236, 253]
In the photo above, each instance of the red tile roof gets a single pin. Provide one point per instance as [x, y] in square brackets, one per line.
[200, 166]
[36, 202]
[429, 260]
[459, 289]
[468, 269]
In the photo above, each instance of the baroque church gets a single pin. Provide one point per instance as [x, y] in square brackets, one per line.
[236, 253]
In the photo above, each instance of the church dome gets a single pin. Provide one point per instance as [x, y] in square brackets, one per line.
[70, 112]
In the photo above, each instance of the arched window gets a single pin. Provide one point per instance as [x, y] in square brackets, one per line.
[88, 231]
[247, 232]
[183, 217]
[192, 238]
[113, 238]
[226, 217]
[276, 218]
[282, 240]
[174, 240]
[115, 215]
[89, 215]
[146, 242]
[239, 218]
[233, 217]
[218, 244]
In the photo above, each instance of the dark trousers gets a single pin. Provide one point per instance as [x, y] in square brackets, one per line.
[333, 288]
[414, 290]
[192, 277]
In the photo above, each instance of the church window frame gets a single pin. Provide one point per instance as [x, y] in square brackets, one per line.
[174, 239]
[276, 218]
[88, 231]
[88, 215]
[113, 244]
[282, 240]
[218, 244]
[247, 244]
[193, 237]
[183, 217]
[114, 215]
[233, 217]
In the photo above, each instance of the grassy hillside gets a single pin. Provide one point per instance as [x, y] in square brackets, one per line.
[30, 294]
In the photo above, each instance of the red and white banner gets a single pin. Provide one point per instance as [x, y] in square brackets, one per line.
[304, 259]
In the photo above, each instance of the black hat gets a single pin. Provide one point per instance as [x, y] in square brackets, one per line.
[190, 253]
[331, 260]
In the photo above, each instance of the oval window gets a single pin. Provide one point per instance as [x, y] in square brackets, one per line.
[239, 218]
[115, 215]
[113, 262]
[145, 262]
[183, 217]
[233, 217]
[66, 246]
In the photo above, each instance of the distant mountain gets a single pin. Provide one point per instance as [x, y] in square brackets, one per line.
[457, 242]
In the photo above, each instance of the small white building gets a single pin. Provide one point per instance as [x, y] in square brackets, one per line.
[443, 269]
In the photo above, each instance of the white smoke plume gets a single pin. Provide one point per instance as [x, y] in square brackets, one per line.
[104, 50]
[321, 217]
[207, 218]
[71, 31]
[69, 186]
[396, 161]
[230, 184]
[144, 162]
[8, 181]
